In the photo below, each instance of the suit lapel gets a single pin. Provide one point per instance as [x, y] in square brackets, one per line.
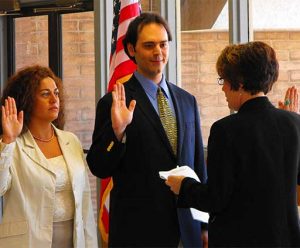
[66, 149]
[136, 91]
[33, 151]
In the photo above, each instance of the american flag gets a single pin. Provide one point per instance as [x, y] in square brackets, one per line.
[120, 65]
[121, 69]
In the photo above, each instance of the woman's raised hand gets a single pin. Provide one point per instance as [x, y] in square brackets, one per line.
[291, 101]
[12, 121]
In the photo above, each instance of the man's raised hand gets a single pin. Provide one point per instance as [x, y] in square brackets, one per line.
[121, 116]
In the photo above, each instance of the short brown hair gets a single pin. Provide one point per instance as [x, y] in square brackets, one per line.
[253, 64]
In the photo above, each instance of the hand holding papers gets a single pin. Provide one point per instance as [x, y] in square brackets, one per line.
[179, 171]
[186, 171]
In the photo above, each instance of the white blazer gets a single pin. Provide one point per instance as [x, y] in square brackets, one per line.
[27, 183]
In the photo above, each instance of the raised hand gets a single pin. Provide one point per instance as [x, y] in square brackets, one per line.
[12, 122]
[291, 102]
[121, 116]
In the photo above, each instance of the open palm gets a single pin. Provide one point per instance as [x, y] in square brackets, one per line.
[12, 122]
[291, 100]
[121, 116]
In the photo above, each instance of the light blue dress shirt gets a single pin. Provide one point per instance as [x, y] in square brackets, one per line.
[151, 90]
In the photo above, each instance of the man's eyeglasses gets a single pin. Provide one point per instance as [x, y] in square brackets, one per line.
[220, 81]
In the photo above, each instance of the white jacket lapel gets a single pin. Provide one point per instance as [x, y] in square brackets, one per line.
[66, 147]
[33, 151]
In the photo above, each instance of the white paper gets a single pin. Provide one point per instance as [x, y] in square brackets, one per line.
[179, 171]
[199, 215]
[187, 172]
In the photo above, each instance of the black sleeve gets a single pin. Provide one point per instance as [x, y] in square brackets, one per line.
[106, 151]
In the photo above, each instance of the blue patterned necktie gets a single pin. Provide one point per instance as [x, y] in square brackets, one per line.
[167, 118]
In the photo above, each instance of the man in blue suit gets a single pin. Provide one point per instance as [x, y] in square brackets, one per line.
[131, 145]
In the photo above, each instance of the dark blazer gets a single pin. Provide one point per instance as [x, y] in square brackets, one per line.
[253, 170]
[142, 208]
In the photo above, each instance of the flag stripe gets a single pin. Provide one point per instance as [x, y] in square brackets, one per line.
[106, 186]
[127, 68]
[124, 3]
[118, 59]
[119, 46]
[128, 12]
[123, 27]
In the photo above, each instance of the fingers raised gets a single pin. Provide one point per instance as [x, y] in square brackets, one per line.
[294, 99]
[118, 93]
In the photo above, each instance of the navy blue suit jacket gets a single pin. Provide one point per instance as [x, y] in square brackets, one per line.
[143, 210]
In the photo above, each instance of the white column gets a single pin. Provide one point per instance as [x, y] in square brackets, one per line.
[239, 21]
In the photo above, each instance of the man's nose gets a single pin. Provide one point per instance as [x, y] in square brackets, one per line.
[157, 49]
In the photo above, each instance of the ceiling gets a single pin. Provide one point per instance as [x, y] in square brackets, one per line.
[19, 6]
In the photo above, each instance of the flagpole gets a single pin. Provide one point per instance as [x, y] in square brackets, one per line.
[102, 32]
[1, 208]
[168, 11]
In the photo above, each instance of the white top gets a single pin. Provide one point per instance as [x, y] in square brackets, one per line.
[64, 207]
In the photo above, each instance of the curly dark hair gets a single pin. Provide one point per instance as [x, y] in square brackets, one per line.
[253, 64]
[22, 87]
[137, 24]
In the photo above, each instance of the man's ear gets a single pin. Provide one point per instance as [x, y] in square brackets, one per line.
[130, 49]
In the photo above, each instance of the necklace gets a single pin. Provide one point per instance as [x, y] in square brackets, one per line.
[45, 140]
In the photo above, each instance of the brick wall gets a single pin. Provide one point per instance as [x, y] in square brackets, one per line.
[199, 52]
[79, 74]
[79, 80]
[31, 41]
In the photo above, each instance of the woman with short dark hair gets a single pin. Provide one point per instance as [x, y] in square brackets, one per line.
[253, 158]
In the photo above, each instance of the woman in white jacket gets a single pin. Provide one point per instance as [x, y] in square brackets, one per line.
[43, 173]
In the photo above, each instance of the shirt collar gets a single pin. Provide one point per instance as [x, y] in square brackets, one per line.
[150, 87]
